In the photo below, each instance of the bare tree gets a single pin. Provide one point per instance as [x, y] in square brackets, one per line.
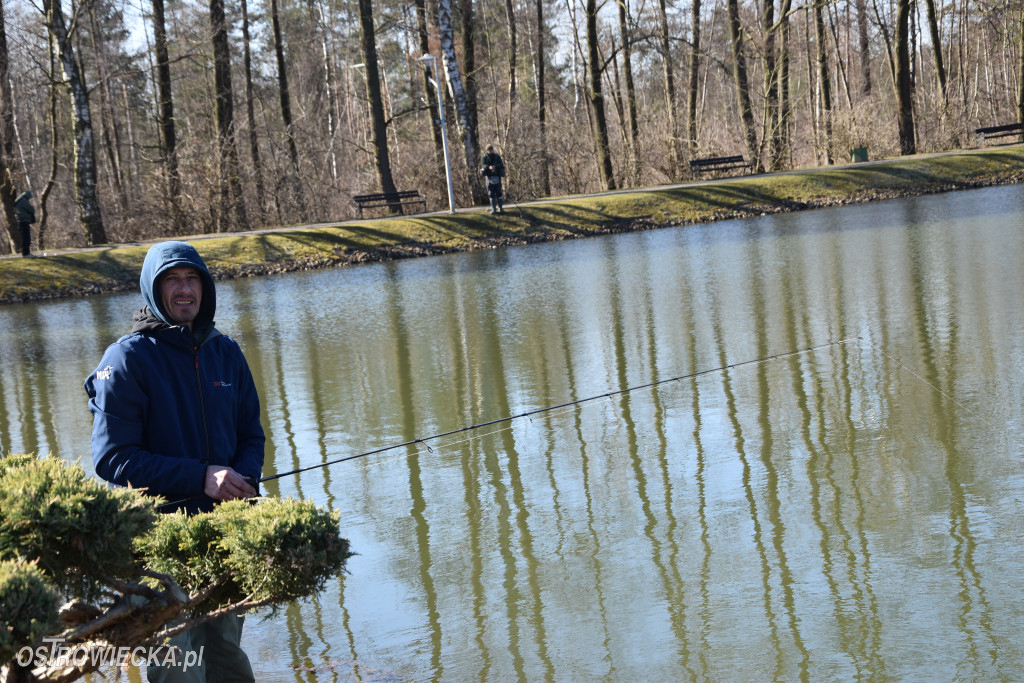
[692, 91]
[284, 95]
[904, 84]
[466, 121]
[8, 189]
[165, 115]
[540, 86]
[824, 83]
[627, 68]
[232, 204]
[596, 93]
[432, 93]
[250, 113]
[674, 153]
[89, 214]
[378, 126]
[739, 74]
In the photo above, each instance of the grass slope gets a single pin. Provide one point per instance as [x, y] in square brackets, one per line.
[116, 267]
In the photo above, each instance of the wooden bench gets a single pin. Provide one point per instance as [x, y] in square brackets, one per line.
[387, 199]
[993, 132]
[712, 164]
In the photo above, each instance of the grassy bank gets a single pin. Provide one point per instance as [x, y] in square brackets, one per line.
[116, 267]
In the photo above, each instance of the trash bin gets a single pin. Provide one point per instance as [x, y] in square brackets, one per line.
[858, 154]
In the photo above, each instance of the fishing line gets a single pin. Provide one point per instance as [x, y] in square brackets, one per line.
[539, 411]
[530, 413]
[935, 388]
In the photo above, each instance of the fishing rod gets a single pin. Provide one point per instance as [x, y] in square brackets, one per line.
[529, 413]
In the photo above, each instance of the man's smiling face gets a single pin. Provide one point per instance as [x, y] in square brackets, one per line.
[181, 292]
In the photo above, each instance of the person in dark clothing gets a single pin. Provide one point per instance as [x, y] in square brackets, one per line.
[493, 169]
[175, 412]
[25, 215]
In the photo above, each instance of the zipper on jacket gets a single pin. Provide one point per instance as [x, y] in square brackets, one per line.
[202, 405]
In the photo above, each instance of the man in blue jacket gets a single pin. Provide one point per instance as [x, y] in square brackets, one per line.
[175, 412]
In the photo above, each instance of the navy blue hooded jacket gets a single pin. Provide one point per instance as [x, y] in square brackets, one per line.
[168, 401]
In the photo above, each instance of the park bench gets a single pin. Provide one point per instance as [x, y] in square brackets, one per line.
[713, 164]
[993, 132]
[382, 199]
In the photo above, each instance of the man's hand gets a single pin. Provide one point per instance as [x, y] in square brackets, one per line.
[223, 483]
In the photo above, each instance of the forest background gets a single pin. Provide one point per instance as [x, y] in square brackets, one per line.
[141, 119]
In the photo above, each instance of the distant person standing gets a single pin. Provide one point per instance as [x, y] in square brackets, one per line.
[493, 168]
[25, 214]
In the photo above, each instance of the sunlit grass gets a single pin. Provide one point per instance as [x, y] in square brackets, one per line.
[112, 268]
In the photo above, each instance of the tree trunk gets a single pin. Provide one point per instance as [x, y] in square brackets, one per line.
[782, 84]
[864, 47]
[165, 114]
[89, 214]
[674, 154]
[627, 68]
[250, 114]
[465, 121]
[739, 74]
[429, 81]
[286, 105]
[904, 85]
[771, 97]
[8, 188]
[231, 203]
[378, 126]
[1020, 51]
[940, 67]
[316, 14]
[469, 62]
[595, 70]
[824, 84]
[539, 84]
[109, 130]
[513, 53]
[692, 92]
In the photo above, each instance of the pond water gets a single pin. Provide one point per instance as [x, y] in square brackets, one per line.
[796, 452]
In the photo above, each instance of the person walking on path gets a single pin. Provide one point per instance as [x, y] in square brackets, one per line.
[493, 169]
[176, 412]
[25, 215]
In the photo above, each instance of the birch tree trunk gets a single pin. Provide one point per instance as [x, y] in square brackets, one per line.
[232, 204]
[429, 81]
[594, 71]
[464, 119]
[89, 215]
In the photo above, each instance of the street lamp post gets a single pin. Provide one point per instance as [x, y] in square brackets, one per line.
[444, 129]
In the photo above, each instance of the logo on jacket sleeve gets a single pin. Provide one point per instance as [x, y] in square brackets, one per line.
[105, 373]
[221, 383]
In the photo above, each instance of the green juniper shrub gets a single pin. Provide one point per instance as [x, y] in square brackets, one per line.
[28, 607]
[79, 530]
[275, 551]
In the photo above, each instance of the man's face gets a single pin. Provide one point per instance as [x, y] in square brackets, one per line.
[181, 292]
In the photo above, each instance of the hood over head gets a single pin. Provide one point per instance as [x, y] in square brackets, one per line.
[161, 258]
